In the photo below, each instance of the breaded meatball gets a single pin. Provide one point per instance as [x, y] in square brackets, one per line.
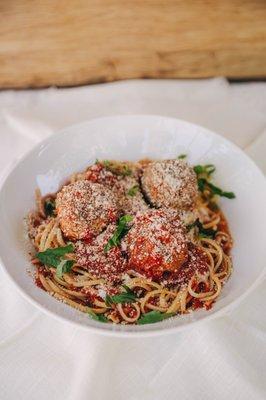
[156, 244]
[170, 183]
[84, 209]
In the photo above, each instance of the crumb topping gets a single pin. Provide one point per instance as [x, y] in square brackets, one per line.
[170, 183]
[156, 244]
[130, 197]
[101, 264]
[85, 208]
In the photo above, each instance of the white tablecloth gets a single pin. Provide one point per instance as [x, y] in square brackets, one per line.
[41, 358]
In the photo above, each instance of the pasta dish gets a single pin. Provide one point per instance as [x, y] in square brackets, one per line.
[133, 242]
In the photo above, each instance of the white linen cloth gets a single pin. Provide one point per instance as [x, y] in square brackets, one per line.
[42, 358]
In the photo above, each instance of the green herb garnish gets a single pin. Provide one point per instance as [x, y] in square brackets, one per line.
[215, 190]
[106, 163]
[204, 169]
[203, 174]
[49, 207]
[63, 267]
[120, 298]
[203, 232]
[126, 297]
[54, 258]
[220, 192]
[133, 191]
[127, 289]
[117, 168]
[182, 156]
[97, 317]
[153, 316]
[125, 171]
[121, 231]
[201, 184]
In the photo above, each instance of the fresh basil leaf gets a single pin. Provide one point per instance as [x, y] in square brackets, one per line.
[106, 163]
[215, 190]
[60, 251]
[126, 171]
[201, 184]
[117, 168]
[207, 233]
[182, 156]
[203, 232]
[153, 316]
[52, 257]
[113, 242]
[49, 207]
[63, 267]
[102, 318]
[108, 300]
[207, 169]
[198, 169]
[48, 259]
[125, 219]
[121, 231]
[120, 298]
[220, 192]
[127, 289]
[190, 226]
[133, 191]
[98, 317]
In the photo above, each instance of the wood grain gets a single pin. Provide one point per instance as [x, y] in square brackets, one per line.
[84, 41]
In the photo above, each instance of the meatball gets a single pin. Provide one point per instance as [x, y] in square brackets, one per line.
[85, 208]
[101, 264]
[170, 183]
[156, 244]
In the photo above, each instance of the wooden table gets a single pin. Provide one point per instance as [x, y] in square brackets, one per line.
[74, 42]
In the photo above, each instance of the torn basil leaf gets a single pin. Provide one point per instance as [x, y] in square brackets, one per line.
[117, 168]
[63, 267]
[214, 190]
[182, 156]
[133, 191]
[153, 316]
[53, 257]
[121, 231]
[203, 232]
[97, 317]
[127, 297]
[207, 169]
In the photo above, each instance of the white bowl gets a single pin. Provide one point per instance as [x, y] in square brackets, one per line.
[133, 138]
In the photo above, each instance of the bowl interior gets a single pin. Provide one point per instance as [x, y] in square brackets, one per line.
[133, 138]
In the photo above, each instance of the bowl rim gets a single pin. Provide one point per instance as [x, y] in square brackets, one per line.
[98, 325]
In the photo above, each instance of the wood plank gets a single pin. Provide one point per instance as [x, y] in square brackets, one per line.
[77, 42]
